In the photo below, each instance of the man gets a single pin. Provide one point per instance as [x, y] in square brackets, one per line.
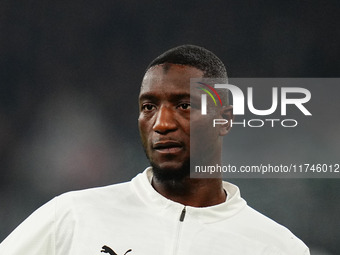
[162, 210]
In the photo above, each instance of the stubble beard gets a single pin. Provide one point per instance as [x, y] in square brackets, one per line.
[170, 175]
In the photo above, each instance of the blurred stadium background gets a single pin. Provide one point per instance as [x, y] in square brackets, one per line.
[70, 73]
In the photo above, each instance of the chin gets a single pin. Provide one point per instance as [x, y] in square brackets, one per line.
[170, 172]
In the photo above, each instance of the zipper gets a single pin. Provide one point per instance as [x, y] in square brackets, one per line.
[177, 240]
[181, 218]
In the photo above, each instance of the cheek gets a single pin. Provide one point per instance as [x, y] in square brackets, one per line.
[202, 124]
[203, 134]
[141, 127]
[186, 127]
[144, 131]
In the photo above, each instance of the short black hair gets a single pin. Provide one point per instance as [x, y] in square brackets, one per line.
[195, 56]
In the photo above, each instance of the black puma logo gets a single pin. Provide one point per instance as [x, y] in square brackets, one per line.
[107, 249]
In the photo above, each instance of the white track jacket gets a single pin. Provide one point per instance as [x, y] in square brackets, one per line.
[132, 218]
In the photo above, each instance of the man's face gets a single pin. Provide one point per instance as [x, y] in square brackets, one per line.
[164, 119]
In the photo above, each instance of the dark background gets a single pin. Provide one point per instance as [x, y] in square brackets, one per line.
[70, 73]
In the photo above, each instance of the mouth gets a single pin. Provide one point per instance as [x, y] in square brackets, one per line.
[168, 147]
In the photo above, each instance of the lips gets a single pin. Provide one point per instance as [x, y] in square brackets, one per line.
[169, 147]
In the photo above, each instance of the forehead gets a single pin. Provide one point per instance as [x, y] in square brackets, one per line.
[169, 78]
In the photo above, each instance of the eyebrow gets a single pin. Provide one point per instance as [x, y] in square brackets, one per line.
[173, 97]
[147, 96]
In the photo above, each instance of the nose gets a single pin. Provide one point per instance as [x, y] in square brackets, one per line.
[165, 121]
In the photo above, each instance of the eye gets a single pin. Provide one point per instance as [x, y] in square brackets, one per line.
[184, 106]
[148, 107]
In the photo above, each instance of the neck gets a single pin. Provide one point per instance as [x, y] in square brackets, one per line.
[192, 192]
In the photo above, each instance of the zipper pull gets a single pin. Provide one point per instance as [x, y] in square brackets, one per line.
[181, 218]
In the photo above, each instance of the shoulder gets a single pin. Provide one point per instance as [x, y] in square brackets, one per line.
[98, 197]
[265, 230]
[253, 225]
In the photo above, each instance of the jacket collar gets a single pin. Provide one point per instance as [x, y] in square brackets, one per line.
[233, 204]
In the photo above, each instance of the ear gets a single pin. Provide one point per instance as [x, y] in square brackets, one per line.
[226, 113]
